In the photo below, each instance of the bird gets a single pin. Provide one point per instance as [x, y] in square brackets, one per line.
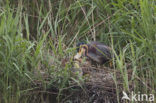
[96, 51]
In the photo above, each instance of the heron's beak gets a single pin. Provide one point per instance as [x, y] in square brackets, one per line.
[79, 54]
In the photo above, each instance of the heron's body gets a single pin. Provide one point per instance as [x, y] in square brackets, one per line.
[95, 51]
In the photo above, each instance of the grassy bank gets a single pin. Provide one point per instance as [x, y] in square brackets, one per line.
[39, 36]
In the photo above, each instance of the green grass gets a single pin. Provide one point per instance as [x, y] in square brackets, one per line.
[38, 35]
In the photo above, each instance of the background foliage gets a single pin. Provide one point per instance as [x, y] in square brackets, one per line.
[36, 35]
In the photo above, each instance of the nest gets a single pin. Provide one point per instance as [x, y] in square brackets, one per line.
[98, 86]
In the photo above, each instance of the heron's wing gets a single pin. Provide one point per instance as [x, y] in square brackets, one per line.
[94, 57]
[103, 50]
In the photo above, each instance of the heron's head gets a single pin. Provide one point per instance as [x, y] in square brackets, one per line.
[78, 45]
[82, 49]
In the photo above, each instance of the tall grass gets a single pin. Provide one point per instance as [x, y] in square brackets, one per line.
[37, 36]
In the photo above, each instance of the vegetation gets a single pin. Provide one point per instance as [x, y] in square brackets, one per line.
[36, 36]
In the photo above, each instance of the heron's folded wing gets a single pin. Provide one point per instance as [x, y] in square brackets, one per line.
[94, 57]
